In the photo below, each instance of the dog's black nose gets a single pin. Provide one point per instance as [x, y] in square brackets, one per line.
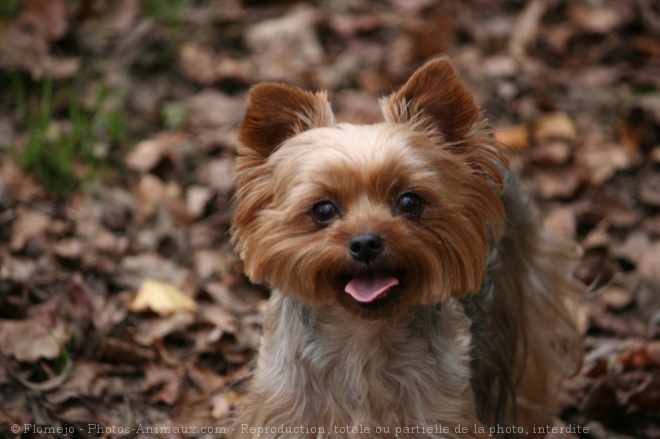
[366, 247]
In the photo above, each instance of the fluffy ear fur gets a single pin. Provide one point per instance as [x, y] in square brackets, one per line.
[276, 112]
[436, 95]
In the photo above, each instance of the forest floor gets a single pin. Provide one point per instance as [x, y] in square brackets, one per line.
[122, 305]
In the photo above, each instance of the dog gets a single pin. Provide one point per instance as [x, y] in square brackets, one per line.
[413, 291]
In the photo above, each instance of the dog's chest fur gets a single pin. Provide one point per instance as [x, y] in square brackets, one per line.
[403, 367]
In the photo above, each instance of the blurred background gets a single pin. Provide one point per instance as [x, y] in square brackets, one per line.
[121, 302]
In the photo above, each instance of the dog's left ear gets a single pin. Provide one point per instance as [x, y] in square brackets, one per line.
[276, 112]
[434, 91]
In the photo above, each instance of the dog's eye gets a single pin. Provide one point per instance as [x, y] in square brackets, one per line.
[324, 212]
[410, 205]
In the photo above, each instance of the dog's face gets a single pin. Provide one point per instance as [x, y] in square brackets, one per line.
[373, 217]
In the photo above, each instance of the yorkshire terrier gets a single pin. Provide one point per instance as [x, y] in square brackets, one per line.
[413, 292]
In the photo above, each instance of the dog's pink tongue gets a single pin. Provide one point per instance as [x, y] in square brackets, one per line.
[369, 288]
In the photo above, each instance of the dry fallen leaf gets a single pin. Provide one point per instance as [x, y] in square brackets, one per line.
[554, 126]
[213, 109]
[29, 340]
[649, 266]
[560, 183]
[133, 270]
[557, 152]
[598, 19]
[149, 331]
[616, 298]
[28, 224]
[600, 158]
[285, 47]
[161, 298]
[198, 63]
[148, 153]
[561, 222]
[515, 136]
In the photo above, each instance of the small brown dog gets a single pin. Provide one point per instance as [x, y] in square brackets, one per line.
[413, 294]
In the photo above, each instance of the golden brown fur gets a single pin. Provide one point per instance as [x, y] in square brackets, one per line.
[474, 331]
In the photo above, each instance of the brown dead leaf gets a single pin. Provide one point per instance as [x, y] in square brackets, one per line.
[616, 298]
[29, 223]
[240, 70]
[621, 325]
[78, 384]
[647, 44]
[25, 45]
[206, 379]
[28, 340]
[82, 302]
[118, 351]
[653, 351]
[147, 154]
[347, 25]
[218, 175]
[46, 17]
[213, 109]
[649, 266]
[632, 249]
[149, 195]
[556, 153]
[516, 137]
[192, 410]
[285, 47]
[221, 405]
[220, 318]
[526, 26]
[561, 222]
[17, 183]
[635, 359]
[601, 401]
[601, 158]
[209, 262]
[597, 238]
[649, 192]
[46, 313]
[600, 19]
[70, 249]
[554, 126]
[198, 63]
[557, 184]
[500, 66]
[655, 154]
[159, 203]
[647, 394]
[16, 269]
[197, 198]
[134, 269]
[638, 387]
[151, 330]
[162, 298]
[165, 380]
[231, 300]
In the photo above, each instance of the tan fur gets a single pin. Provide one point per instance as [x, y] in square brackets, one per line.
[476, 333]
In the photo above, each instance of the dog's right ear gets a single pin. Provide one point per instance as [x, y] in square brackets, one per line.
[275, 112]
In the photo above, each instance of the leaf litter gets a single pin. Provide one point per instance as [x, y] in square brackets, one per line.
[123, 303]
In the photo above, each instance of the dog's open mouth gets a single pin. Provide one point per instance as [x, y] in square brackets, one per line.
[371, 290]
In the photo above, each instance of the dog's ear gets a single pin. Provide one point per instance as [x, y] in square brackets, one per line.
[276, 112]
[435, 93]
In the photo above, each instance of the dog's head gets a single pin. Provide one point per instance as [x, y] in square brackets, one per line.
[374, 217]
